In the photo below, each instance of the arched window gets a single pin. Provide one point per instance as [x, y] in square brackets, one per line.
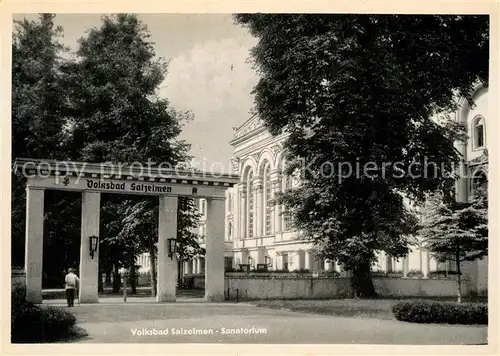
[478, 132]
[250, 204]
[267, 200]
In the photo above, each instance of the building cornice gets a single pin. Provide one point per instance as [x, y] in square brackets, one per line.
[237, 140]
[258, 147]
[483, 159]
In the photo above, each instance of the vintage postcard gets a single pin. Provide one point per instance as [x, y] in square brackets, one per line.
[249, 178]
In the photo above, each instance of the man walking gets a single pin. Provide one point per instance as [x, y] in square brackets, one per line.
[71, 284]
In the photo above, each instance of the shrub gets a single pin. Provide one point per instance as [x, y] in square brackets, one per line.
[441, 313]
[31, 324]
[393, 274]
[442, 274]
[303, 270]
[414, 273]
[333, 273]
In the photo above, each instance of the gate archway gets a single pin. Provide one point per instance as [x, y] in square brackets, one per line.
[92, 179]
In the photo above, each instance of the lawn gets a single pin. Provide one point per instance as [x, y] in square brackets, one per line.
[362, 308]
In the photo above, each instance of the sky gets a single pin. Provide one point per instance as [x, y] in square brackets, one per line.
[209, 74]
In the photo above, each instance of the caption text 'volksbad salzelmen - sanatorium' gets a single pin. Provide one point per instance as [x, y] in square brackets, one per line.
[197, 331]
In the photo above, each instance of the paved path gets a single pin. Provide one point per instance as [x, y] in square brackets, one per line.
[114, 322]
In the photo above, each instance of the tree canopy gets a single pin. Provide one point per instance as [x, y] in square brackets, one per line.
[38, 101]
[355, 94]
[100, 106]
[458, 230]
[116, 114]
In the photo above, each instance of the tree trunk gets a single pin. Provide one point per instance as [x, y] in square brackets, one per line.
[100, 287]
[362, 283]
[152, 270]
[179, 272]
[459, 278]
[116, 278]
[107, 279]
[132, 272]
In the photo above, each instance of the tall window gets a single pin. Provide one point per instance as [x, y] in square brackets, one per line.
[285, 261]
[228, 263]
[269, 262]
[287, 216]
[267, 200]
[478, 132]
[229, 202]
[250, 204]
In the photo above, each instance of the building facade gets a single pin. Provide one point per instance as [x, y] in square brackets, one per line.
[475, 165]
[259, 233]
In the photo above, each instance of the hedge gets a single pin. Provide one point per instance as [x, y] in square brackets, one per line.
[441, 312]
[33, 324]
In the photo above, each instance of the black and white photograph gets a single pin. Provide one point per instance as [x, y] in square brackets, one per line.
[249, 177]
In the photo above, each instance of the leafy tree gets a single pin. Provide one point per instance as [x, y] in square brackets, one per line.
[457, 230]
[102, 106]
[188, 219]
[355, 94]
[38, 103]
[117, 116]
[112, 253]
[37, 97]
[62, 234]
[138, 233]
[130, 238]
[140, 221]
